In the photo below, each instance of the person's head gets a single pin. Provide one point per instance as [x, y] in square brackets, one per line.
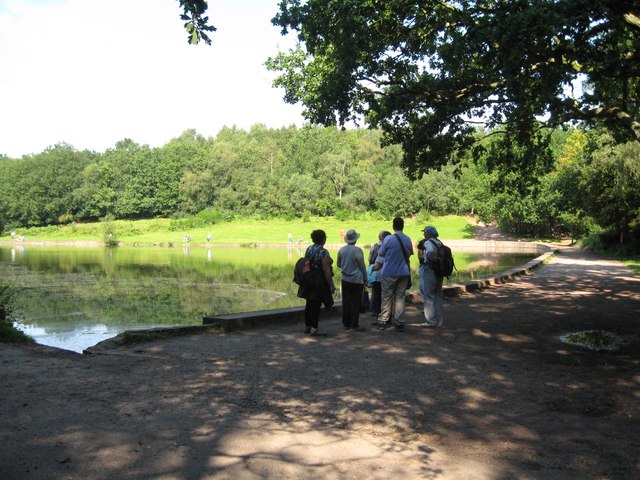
[398, 224]
[319, 237]
[383, 234]
[430, 232]
[351, 237]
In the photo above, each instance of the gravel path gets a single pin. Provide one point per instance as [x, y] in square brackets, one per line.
[492, 395]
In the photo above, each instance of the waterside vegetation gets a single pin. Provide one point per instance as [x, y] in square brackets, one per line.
[579, 184]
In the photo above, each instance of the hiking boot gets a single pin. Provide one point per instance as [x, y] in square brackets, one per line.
[381, 326]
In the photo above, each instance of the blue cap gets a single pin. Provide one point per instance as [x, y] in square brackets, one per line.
[431, 231]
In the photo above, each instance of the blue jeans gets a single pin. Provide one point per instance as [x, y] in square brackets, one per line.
[432, 296]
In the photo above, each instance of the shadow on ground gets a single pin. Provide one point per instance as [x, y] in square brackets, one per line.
[494, 394]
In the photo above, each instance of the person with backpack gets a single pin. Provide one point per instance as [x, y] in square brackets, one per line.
[430, 281]
[317, 287]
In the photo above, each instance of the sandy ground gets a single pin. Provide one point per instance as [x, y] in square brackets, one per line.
[493, 394]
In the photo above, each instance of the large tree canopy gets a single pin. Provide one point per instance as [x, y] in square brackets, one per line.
[426, 71]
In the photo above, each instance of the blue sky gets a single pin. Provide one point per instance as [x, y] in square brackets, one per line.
[93, 72]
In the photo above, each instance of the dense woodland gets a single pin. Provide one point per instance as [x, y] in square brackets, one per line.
[578, 182]
[555, 86]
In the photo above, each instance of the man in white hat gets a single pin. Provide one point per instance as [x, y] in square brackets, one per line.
[354, 275]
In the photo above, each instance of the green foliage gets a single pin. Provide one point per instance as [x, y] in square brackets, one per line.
[532, 186]
[65, 218]
[511, 184]
[109, 231]
[424, 217]
[8, 332]
[204, 218]
[578, 226]
[38, 190]
[420, 70]
[612, 183]
[195, 22]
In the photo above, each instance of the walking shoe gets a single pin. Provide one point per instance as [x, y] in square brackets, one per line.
[315, 333]
[381, 326]
[307, 330]
[430, 325]
[400, 328]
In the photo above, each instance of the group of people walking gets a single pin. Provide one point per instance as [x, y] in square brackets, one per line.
[388, 274]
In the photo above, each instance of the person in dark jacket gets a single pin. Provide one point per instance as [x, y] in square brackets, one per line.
[319, 287]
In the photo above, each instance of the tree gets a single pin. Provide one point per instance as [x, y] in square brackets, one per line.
[40, 189]
[397, 197]
[612, 185]
[424, 71]
[195, 23]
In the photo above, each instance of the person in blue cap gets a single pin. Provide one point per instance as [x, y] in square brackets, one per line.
[430, 283]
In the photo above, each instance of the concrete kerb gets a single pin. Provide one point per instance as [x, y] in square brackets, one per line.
[504, 277]
[260, 318]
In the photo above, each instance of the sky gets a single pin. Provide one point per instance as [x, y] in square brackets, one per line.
[90, 73]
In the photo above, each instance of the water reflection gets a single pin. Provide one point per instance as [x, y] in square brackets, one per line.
[74, 297]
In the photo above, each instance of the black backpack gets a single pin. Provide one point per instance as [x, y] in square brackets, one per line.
[303, 265]
[442, 263]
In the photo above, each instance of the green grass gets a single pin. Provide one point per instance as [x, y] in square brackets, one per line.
[633, 264]
[243, 232]
[10, 334]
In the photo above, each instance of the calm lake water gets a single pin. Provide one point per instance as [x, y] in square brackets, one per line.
[75, 297]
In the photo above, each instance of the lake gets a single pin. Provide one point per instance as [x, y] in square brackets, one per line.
[75, 297]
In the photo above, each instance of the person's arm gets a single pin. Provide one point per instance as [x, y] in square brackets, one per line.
[326, 268]
[363, 267]
[410, 249]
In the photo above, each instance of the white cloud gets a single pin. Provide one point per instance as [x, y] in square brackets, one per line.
[92, 72]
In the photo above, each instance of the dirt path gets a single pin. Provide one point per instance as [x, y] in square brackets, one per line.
[491, 395]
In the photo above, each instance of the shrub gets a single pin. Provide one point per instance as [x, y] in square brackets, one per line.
[8, 331]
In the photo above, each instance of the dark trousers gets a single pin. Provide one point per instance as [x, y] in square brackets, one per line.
[312, 313]
[376, 297]
[351, 299]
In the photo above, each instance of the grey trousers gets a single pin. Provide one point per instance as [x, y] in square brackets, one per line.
[393, 293]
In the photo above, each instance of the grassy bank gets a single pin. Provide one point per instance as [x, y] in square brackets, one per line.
[243, 232]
